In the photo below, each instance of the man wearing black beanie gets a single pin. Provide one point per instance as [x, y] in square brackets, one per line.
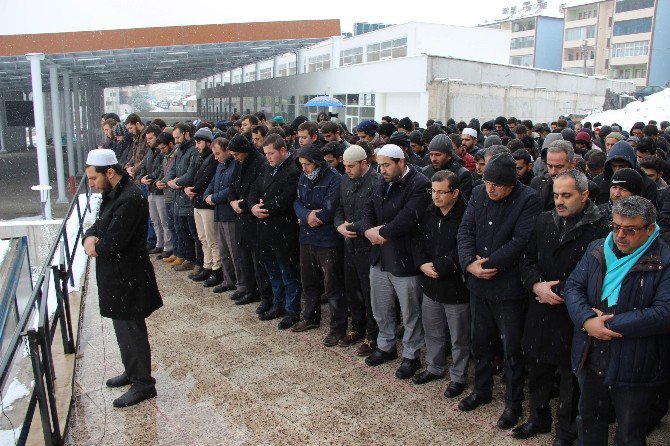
[492, 237]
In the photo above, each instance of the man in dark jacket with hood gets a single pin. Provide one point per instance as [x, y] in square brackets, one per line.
[622, 155]
[320, 246]
[355, 191]
[391, 223]
[441, 151]
[271, 200]
[493, 235]
[445, 310]
[127, 286]
[618, 298]
[250, 165]
[558, 242]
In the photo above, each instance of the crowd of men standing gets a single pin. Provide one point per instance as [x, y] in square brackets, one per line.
[533, 250]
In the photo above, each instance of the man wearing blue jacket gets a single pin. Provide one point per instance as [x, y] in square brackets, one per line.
[618, 297]
[492, 237]
[321, 268]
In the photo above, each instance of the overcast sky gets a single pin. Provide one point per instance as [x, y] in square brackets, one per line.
[47, 16]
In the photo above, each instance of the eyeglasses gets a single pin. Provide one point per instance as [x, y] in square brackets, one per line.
[628, 231]
[441, 193]
[493, 185]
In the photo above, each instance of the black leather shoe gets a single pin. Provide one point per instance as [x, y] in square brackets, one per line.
[288, 321]
[379, 357]
[264, 306]
[119, 381]
[237, 295]
[473, 401]
[272, 313]
[562, 442]
[530, 429]
[408, 368]
[134, 395]
[156, 251]
[425, 377]
[454, 389]
[509, 418]
[202, 275]
[214, 279]
[248, 299]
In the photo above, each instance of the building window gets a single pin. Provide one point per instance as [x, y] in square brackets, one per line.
[578, 54]
[250, 76]
[266, 73]
[237, 78]
[317, 63]
[286, 69]
[632, 5]
[635, 26]
[524, 61]
[581, 14]
[390, 49]
[580, 33]
[629, 72]
[351, 56]
[523, 25]
[629, 49]
[522, 42]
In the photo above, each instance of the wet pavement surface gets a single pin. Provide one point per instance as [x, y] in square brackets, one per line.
[226, 378]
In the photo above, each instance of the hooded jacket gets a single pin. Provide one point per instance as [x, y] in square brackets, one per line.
[553, 255]
[622, 151]
[219, 189]
[203, 176]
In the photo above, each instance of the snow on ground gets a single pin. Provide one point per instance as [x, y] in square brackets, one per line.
[4, 249]
[15, 391]
[10, 436]
[655, 106]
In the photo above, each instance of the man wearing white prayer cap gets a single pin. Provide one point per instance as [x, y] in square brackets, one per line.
[127, 288]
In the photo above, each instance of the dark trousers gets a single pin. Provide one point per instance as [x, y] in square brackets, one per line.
[151, 234]
[133, 341]
[493, 321]
[188, 239]
[631, 406]
[321, 272]
[253, 274]
[541, 378]
[284, 277]
[357, 289]
[169, 210]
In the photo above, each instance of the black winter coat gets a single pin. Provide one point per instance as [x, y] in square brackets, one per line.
[399, 211]
[354, 196]
[499, 231]
[548, 330]
[127, 286]
[438, 245]
[277, 234]
[203, 176]
[544, 186]
[245, 177]
[465, 177]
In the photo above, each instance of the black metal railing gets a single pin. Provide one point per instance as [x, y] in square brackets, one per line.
[39, 337]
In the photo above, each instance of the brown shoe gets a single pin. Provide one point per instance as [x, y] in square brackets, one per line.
[185, 265]
[353, 337]
[197, 269]
[176, 262]
[303, 326]
[366, 348]
[332, 339]
[170, 259]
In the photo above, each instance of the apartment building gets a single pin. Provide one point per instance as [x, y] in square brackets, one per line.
[535, 29]
[618, 39]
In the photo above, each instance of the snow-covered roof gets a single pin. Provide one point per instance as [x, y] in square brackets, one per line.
[528, 9]
[575, 3]
[655, 106]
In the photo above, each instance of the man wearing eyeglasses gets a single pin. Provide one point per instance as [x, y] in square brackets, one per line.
[618, 297]
[492, 237]
[558, 242]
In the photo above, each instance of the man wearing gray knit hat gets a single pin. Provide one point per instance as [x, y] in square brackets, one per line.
[492, 238]
[441, 152]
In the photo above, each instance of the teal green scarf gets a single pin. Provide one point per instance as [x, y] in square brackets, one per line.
[618, 268]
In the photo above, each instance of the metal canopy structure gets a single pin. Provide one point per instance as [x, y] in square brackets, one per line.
[117, 58]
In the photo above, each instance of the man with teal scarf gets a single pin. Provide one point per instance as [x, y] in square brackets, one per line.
[618, 296]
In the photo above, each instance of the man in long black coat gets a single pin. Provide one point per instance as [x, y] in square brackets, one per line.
[271, 201]
[559, 240]
[127, 287]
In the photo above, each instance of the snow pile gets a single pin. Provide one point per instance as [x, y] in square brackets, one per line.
[655, 106]
[15, 391]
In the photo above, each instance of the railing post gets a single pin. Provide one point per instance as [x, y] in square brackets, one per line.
[63, 309]
[40, 394]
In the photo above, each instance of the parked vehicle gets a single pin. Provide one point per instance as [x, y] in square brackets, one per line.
[646, 91]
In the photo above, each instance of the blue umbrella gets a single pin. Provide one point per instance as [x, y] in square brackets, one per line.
[323, 101]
